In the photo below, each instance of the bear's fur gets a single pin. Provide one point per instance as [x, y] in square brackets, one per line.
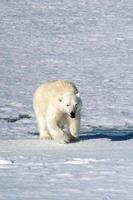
[57, 103]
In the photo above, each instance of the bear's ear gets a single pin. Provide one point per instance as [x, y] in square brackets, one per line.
[60, 100]
[78, 95]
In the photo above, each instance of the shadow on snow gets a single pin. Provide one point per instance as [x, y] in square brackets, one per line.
[112, 134]
[99, 133]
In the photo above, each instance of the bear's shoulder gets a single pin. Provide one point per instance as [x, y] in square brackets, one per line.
[63, 86]
[56, 88]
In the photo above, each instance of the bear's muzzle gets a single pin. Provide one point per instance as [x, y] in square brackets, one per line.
[72, 114]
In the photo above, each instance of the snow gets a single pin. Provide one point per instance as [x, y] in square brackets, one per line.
[90, 43]
[93, 169]
[5, 163]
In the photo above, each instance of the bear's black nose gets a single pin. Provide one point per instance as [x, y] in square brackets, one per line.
[72, 114]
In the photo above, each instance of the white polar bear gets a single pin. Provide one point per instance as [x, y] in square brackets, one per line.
[57, 103]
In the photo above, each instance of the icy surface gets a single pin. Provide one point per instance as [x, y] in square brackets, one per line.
[90, 43]
[93, 169]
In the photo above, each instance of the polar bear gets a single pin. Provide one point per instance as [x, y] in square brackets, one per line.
[57, 103]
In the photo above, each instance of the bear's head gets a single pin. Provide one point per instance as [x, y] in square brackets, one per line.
[70, 104]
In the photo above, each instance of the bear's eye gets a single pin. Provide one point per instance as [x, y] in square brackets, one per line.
[68, 105]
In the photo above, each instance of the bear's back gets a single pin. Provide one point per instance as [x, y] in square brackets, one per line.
[51, 89]
[62, 86]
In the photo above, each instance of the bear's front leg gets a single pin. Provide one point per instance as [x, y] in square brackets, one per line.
[74, 124]
[57, 133]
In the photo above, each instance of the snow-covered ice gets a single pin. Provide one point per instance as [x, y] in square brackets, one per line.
[92, 169]
[90, 43]
[5, 163]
